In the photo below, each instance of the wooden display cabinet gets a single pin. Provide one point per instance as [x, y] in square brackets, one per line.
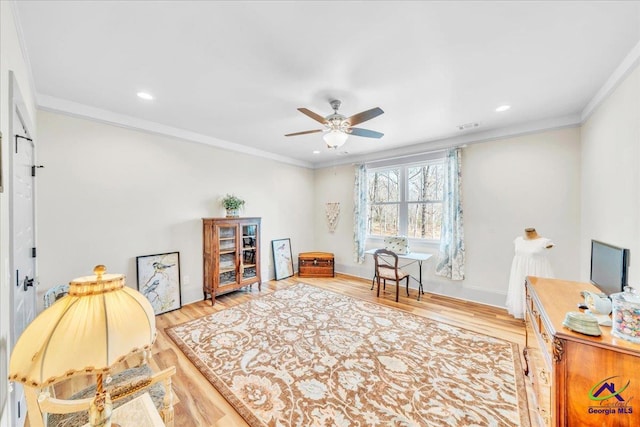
[231, 251]
[578, 380]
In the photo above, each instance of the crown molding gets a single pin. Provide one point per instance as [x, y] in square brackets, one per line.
[17, 23]
[555, 123]
[628, 64]
[57, 105]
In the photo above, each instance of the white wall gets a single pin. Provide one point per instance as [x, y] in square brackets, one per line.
[610, 175]
[510, 184]
[108, 194]
[11, 60]
[335, 184]
[529, 181]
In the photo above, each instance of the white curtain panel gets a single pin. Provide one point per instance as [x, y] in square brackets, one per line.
[450, 261]
[360, 214]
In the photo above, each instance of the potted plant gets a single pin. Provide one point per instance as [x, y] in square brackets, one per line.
[232, 204]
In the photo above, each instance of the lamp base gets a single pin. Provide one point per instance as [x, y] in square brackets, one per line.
[100, 410]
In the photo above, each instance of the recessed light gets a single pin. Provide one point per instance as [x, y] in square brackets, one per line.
[316, 151]
[502, 108]
[145, 95]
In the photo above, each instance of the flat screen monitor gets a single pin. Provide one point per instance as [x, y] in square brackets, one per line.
[609, 265]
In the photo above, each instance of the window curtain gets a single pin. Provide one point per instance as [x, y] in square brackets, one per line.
[450, 260]
[360, 214]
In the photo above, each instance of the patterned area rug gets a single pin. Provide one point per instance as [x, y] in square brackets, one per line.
[305, 356]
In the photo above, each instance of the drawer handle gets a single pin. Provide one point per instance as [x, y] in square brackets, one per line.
[545, 337]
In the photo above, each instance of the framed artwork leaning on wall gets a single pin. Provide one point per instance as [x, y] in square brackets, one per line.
[282, 258]
[159, 280]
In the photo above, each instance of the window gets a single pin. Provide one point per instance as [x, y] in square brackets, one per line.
[406, 200]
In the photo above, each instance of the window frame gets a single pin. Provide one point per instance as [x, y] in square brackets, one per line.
[403, 192]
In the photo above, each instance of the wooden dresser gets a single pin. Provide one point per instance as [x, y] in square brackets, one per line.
[578, 380]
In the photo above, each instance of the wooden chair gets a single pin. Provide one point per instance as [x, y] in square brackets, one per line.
[54, 294]
[44, 408]
[387, 269]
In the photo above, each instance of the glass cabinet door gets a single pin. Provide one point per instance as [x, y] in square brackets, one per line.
[249, 248]
[227, 252]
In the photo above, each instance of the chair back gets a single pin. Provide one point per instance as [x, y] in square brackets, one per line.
[54, 294]
[389, 264]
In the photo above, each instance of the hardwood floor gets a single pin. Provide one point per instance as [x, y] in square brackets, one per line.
[199, 404]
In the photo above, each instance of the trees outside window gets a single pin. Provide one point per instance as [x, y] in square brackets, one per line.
[406, 200]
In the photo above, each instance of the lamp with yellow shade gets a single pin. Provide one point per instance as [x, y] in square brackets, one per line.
[99, 324]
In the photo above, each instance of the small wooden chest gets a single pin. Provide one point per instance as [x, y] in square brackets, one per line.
[315, 264]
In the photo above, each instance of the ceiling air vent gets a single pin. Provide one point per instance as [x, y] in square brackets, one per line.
[468, 126]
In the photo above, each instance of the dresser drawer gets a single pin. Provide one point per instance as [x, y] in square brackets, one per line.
[539, 362]
[542, 335]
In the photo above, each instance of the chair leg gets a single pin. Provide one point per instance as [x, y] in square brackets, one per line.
[378, 286]
[408, 286]
[166, 413]
[397, 290]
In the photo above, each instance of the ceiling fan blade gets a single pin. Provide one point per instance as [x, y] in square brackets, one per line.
[304, 132]
[364, 116]
[314, 116]
[365, 132]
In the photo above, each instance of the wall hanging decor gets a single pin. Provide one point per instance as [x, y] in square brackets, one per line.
[159, 280]
[282, 258]
[332, 211]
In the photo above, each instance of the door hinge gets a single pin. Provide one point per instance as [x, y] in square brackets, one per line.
[33, 252]
[23, 137]
[33, 169]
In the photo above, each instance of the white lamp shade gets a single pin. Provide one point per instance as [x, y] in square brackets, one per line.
[98, 324]
[335, 138]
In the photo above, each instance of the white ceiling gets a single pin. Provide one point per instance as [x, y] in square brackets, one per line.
[233, 73]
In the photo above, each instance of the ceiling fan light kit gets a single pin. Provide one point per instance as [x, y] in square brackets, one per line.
[338, 127]
[335, 138]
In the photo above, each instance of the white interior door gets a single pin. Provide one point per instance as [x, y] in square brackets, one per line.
[22, 243]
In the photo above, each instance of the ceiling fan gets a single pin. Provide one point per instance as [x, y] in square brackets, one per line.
[338, 127]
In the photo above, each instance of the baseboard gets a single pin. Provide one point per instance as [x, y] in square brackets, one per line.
[452, 289]
[440, 286]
